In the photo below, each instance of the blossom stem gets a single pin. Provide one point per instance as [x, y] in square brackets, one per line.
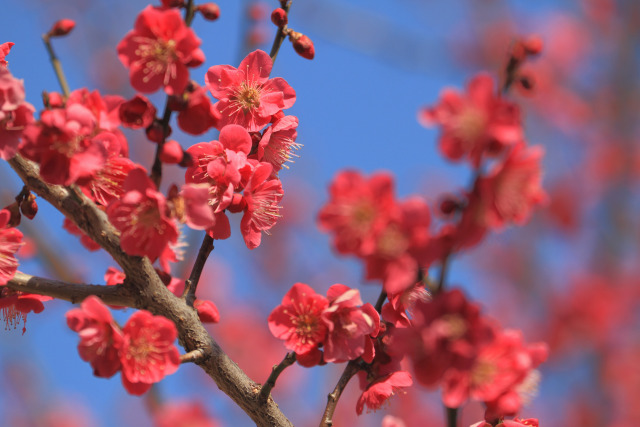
[443, 273]
[380, 301]
[288, 360]
[156, 169]
[191, 284]
[194, 356]
[189, 13]
[281, 33]
[57, 66]
[452, 416]
[332, 399]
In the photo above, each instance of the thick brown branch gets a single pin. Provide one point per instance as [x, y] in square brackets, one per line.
[75, 293]
[288, 360]
[151, 294]
[332, 399]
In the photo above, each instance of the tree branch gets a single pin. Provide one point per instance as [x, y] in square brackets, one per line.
[194, 356]
[75, 293]
[288, 360]
[332, 399]
[149, 293]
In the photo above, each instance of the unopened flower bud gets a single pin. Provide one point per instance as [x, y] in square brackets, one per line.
[302, 45]
[173, 3]
[171, 152]
[209, 11]
[53, 99]
[533, 45]
[155, 132]
[137, 113]
[177, 102]
[62, 28]
[279, 17]
[448, 206]
[29, 206]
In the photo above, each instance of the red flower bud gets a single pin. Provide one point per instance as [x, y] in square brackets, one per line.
[54, 99]
[155, 132]
[137, 113]
[171, 152]
[279, 17]
[173, 3]
[533, 45]
[62, 28]
[29, 206]
[178, 102]
[209, 11]
[302, 45]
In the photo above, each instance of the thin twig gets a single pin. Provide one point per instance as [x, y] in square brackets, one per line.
[194, 356]
[189, 13]
[57, 66]
[288, 360]
[191, 283]
[281, 33]
[452, 416]
[156, 169]
[380, 301]
[332, 399]
[443, 273]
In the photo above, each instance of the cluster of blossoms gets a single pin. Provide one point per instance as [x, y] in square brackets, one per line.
[143, 350]
[77, 141]
[337, 329]
[449, 343]
[366, 221]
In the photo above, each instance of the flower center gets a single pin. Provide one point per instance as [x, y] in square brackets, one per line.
[483, 372]
[392, 242]
[470, 126]
[362, 216]
[306, 326]
[456, 327]
[149, 217]
[248, 96]
[157, 56]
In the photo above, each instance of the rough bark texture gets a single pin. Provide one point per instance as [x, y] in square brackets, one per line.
[143, 289]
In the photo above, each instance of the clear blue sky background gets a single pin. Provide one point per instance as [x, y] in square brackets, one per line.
[376, 63]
